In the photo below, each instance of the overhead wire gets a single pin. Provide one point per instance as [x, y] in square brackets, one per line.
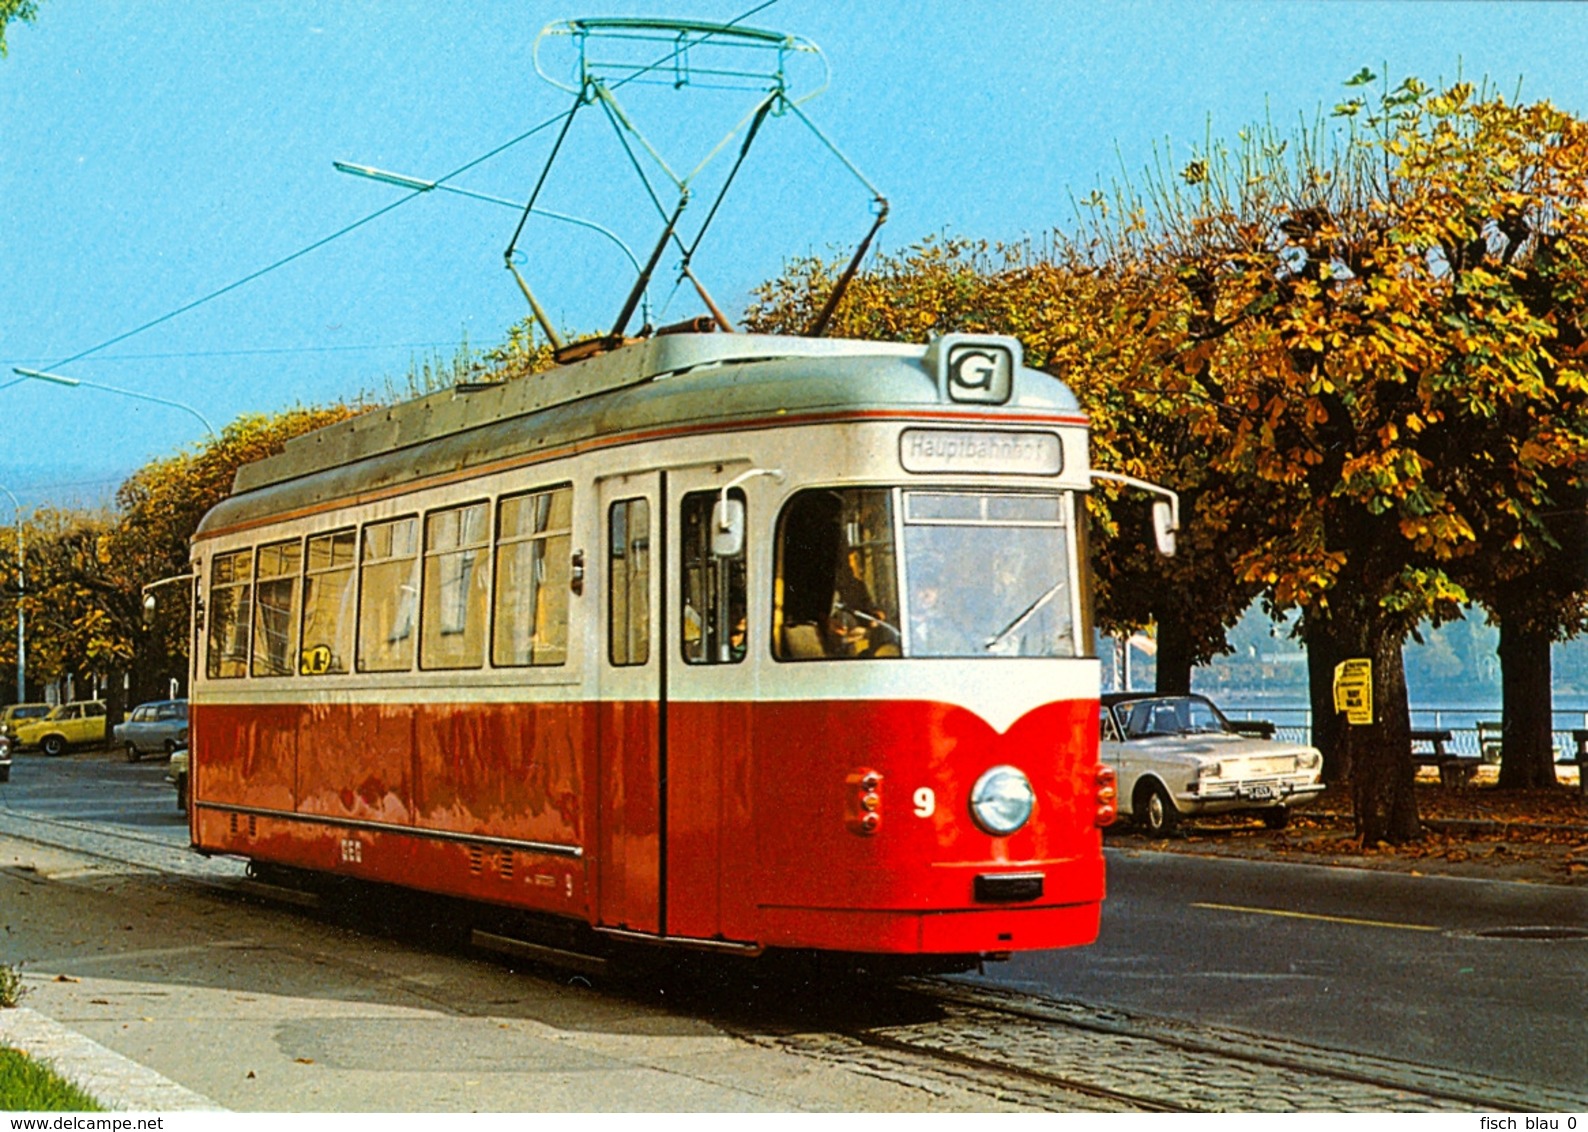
[357, 224]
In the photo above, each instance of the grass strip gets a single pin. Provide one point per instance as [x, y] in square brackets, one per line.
[30, 1086]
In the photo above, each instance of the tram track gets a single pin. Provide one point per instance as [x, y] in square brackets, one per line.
[1193, 1067]
[1070, 1056]
[1016, 1048]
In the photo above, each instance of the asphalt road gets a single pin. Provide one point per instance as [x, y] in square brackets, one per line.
[1429, 970]
[1423, 969]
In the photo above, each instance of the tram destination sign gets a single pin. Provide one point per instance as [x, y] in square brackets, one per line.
[981, 451]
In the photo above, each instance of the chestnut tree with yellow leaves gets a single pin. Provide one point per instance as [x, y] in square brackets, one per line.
[86, 570]
[1375, 354]
[158, 509]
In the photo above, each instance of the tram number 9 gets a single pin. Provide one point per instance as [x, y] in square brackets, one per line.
[925, 802]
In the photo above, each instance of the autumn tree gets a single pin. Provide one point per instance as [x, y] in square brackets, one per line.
[1500, 208]
[1342, 365]
[159, 508]
[22, 11]
[66, 621]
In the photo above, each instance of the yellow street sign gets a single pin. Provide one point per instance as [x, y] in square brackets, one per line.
[1353, 690]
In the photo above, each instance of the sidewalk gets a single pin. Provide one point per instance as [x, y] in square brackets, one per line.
[155, 994]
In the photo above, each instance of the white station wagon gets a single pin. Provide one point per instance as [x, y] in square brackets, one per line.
[1178, 755]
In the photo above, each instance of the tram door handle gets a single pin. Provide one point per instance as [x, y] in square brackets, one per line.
[576, 573]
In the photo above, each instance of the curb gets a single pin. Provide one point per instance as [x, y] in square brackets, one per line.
[117, 1082]
[1497, 825]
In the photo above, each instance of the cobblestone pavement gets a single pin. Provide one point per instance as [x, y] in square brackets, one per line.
[1023, 1050]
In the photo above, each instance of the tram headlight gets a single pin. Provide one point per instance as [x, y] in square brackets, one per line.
[1002, 800]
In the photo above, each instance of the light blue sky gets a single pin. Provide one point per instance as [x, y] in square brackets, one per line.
[151, 154]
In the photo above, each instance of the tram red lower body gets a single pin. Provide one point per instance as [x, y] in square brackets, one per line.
[752, 836]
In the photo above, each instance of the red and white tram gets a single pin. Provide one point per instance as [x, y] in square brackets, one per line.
[717, 640]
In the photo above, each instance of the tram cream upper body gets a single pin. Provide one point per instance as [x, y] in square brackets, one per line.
[704, 409]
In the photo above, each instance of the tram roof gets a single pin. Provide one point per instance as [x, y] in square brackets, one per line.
[670, 381]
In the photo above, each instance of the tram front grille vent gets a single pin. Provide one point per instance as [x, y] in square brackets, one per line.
[504, 864]
[476, 860]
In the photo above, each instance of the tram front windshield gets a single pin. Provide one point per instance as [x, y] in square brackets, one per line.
[880, 573]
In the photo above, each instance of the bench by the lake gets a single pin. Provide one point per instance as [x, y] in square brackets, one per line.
[1432, 748]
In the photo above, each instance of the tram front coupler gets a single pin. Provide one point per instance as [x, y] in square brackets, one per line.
[1165, 511]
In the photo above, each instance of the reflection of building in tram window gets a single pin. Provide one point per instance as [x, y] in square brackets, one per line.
[988, 574]
[937, 628]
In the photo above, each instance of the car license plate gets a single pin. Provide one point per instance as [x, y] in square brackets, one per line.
[1260, 793]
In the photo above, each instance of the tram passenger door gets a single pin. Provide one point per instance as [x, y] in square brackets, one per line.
[711, 658]
[630, 759]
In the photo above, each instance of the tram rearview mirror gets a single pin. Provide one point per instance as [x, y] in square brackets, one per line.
[1163, 527]
[727, 528]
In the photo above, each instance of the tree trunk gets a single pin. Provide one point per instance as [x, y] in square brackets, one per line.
[1382, 773]
[1174, 658]
[1527, 753]
[1323, 653]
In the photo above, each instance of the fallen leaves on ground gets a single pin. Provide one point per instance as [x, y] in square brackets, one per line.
[1528, 835]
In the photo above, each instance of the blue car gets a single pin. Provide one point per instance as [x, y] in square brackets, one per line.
[159, 727]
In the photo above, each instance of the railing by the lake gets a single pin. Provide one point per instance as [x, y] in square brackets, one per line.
[1295, 724]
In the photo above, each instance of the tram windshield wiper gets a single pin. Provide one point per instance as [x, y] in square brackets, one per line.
[1026, 614]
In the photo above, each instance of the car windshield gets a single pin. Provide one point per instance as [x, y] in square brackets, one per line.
[1168, 715]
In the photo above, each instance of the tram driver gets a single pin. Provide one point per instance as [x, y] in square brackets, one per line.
[837, 576]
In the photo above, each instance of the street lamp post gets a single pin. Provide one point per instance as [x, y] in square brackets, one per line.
[420, 185]
[62, 379]
[22, 585]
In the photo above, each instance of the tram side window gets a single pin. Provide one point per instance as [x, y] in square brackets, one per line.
[836, 591]
[275, 609]
[714, 627]
[327, 604]
[388, 596]
[534, 537]
[457, 549]
[628, 582]
[231, 598]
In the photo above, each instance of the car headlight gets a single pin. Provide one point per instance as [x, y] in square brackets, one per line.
[1002, 800]
[1308, 760]
[1210, 770]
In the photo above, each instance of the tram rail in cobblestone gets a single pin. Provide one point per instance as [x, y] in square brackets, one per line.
[1192, 1067]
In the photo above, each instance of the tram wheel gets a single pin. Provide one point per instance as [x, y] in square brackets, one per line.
[1156, 815]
